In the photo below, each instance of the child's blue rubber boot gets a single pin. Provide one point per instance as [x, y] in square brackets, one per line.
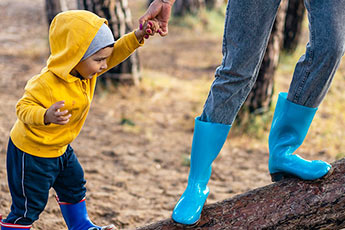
[76, 217]
[7, 226]
[208, 140]
[290, 126]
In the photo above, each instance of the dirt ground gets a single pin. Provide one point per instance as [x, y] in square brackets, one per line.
[135, 170]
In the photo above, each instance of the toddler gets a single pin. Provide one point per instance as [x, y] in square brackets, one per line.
[51, 114]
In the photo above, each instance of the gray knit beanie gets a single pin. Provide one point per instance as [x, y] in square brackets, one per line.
[103, 38]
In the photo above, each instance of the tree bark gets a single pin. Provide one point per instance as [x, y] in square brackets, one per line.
[260, 98]
[288, 204]
[120, 22]
[293, 25]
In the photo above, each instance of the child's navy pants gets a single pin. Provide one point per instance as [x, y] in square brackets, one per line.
[30, 179]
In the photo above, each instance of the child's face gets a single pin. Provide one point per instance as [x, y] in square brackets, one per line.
[96, 63]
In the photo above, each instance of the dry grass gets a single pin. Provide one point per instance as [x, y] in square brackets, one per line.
[136, 141]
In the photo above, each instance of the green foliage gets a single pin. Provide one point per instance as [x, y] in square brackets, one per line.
[127, 121]
[253, 125]
[340, 156]
[205, 20]
[186, 160]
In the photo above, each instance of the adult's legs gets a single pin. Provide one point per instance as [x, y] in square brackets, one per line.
[312, 78]
[247, 29]
[315, 70]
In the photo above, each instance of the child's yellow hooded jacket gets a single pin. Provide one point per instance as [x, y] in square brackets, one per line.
[70, 36]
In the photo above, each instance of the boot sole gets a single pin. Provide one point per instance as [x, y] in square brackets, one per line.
[186, 226]
[275, 177]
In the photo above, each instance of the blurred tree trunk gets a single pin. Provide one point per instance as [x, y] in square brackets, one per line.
[120, 22]
[210, 4]
[213, 4]
[53, 7]
[149, 2]
[260, 98]
[183, 7]
[293, 25]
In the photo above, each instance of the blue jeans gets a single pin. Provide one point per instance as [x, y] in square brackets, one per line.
[248, 25]
[30, 179]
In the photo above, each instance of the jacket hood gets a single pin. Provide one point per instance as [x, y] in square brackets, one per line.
[70, 35]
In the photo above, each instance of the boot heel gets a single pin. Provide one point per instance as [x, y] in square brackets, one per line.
[275, 177]
[185, 226]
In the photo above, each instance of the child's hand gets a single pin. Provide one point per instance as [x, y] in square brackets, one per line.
[148, 29]
[53, 114]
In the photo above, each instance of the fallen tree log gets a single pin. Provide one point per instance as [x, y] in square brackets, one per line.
[288, 204]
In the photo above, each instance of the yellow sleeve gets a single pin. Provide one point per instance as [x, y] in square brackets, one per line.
[123, 48]
[29, 108]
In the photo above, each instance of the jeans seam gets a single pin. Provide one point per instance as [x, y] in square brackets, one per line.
[225, 50]
[310, 58]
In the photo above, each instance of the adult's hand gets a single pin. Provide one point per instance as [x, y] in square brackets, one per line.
[161, 11]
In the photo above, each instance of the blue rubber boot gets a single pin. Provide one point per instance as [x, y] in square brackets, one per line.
[76, 217]
[208, 140]
[290, 125]
[7, 226]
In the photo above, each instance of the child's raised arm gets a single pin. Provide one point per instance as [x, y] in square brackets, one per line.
[128, 43]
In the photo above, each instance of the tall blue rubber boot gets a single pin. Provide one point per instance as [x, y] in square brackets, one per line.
[208, 140]
[290, 125]
[7, 226]
[76, 217]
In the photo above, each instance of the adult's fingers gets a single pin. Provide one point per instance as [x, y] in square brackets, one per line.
[150, 32]
[163, 29]
[163, 32]
[153, 10]
[150, 14]
[143, 19]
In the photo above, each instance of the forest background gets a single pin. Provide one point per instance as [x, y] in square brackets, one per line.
[135, 144]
